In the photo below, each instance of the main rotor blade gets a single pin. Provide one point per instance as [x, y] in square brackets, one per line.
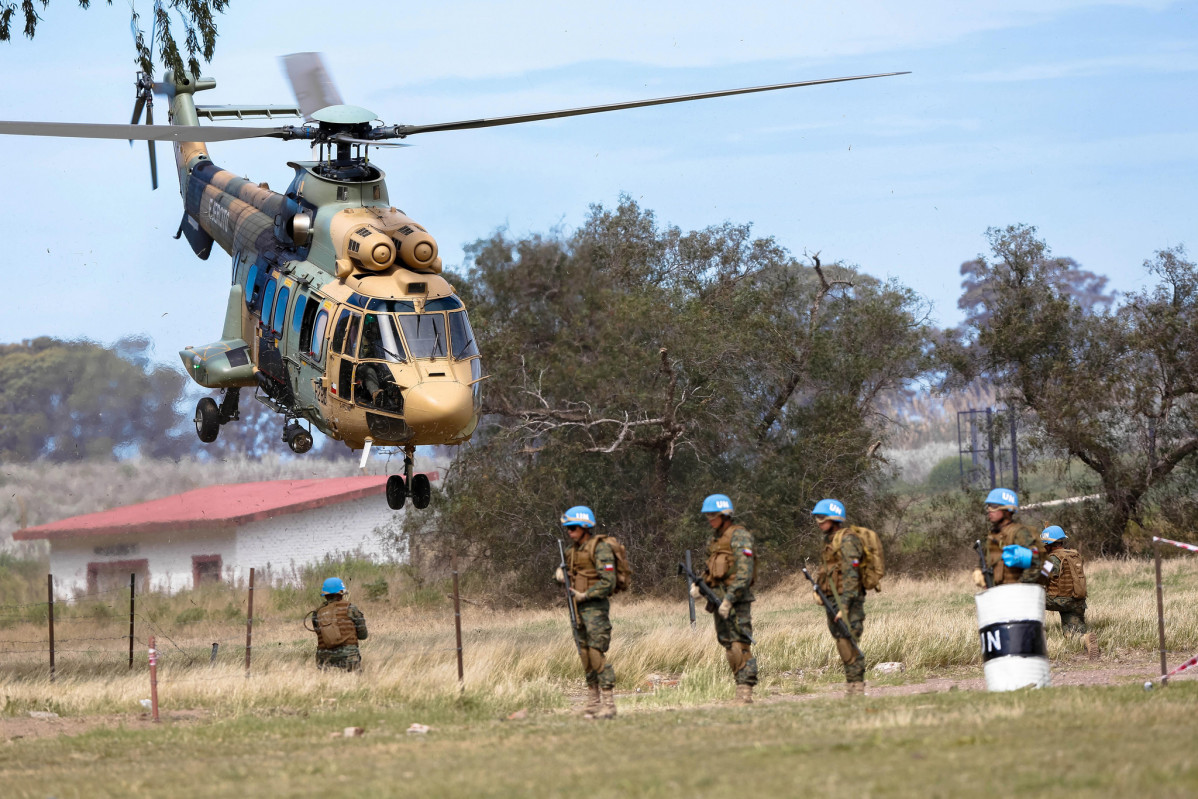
[408, 130]
[310, 81]
[84, 130]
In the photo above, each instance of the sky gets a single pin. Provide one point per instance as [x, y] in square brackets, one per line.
[1076, 117]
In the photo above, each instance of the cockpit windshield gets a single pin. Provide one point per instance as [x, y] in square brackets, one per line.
[461, 335]
[380, 339]
[425, 334]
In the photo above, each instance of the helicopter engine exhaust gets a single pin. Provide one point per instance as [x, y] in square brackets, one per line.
[370, 247]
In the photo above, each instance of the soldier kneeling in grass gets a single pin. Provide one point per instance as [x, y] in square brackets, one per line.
[339, 626]
[1065, 586]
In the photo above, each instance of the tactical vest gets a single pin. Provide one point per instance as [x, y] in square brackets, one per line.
[994, 545]
[334, 627]
[581, 560]
[721, 562]
[1070, 579]
[831, 562]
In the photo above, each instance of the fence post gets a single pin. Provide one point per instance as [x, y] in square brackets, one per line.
[1160, 609]
[457, 624]
[50, 597]
[690, 600]
[249, 626]
[132, 584]
[215, 649]
[153, 680]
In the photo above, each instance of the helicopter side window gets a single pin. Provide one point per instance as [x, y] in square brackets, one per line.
[462, 336]
[297, 313]
[280, 310]
[375, 387]
[317, 334]
[305, 339]
[380, 340]
[339, 330]
[268, 299]
[425, 334]
[250, 288]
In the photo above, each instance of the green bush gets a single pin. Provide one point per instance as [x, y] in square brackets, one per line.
[945, 475]
[191, 616]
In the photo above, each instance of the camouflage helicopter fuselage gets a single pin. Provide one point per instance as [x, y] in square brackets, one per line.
[337, 313]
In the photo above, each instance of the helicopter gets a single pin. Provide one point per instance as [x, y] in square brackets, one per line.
[338, 316]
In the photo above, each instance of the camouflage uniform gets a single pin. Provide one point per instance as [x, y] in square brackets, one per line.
[731, 571]
[347, 621]
[592, 568]
[839, 577]
[1011, 532]
[1060, 590]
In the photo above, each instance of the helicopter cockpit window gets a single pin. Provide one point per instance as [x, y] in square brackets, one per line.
[268, 298]
[425, 334]
[339, 330]
[443, 304]
[351, 336]
[380, 339]
[461, 336]
[280, 310]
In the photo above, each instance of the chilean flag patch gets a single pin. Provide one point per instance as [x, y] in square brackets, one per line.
[856, 563]
[609, 567]
[748, 553]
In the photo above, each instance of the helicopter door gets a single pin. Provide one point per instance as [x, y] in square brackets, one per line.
[276, 382]
[343, 346]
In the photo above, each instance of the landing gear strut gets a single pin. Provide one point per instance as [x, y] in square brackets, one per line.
[411, 485]
[209, 416]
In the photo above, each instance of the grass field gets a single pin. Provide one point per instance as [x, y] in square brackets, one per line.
[269, 735]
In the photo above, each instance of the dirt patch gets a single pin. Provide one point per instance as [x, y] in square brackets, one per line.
[17, 728]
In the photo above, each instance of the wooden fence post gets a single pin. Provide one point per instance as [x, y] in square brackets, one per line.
[50, 598]
[249, 626]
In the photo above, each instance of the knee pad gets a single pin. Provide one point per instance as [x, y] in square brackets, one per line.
[594, 660]
[844, 647]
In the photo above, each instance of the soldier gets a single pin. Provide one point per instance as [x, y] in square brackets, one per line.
[1066, 586]
[591, 564]
[1012, 549]
[731, 571]
[839, 577]
[339, 626]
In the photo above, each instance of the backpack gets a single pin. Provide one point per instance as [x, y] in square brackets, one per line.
[623, 570]
[873, 567]
[1073, 560]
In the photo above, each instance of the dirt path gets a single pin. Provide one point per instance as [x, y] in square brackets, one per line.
[13, 729]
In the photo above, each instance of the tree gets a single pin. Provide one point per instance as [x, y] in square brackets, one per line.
[196, 16]
[67, 400]
[1087, 288]
[636, 368]
[1116, 389]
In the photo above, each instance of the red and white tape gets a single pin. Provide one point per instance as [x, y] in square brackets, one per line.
[1191, 662]
[1191, 547]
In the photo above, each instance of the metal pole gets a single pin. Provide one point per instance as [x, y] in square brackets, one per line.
[1014, 454]
[132, 587]
[1160, 608]
[690, 600]
[153, 680]
[457, 624]
[990, 446]
[50, 596]
[249, 626]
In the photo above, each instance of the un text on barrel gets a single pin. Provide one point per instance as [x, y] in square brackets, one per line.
[1011, 633]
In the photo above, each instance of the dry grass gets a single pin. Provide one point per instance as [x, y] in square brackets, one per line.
[526, 658]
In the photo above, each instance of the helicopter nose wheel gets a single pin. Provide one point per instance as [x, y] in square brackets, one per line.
[397, 492]
[422, 491]
[207, 420]
[416, 486]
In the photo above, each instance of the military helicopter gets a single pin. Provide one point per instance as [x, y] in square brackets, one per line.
[337, 316]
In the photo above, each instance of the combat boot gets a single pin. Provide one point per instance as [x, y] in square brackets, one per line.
[607, 705]
[744, 695]
[854, 689]
[1091, 646]
[591, 706]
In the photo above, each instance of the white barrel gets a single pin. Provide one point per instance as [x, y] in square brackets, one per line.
[1011, 632]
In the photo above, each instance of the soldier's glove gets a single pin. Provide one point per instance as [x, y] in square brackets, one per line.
[815, 598]
[725, 608]
[696, 593]
[560, 576]
[979, 579]
[579, 596]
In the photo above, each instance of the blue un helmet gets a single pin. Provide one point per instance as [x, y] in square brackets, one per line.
[333, 585]
[578, 516]
[1052, 535]
[717, 503]
[1003, 498]
[830, 509]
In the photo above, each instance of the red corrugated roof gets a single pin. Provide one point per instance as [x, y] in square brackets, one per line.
[215, 507]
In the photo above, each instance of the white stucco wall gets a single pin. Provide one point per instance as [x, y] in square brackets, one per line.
[276, 548]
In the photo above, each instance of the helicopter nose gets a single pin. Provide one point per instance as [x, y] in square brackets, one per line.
[443, 407]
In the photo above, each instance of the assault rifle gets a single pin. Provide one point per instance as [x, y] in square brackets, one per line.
[569, 598]
[987, 572]
[831, 609]
[713, 601]
[690, 600]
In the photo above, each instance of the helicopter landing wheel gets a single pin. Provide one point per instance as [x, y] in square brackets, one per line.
[207, 420]
[422, 492]
[299, 439]
[397, 492]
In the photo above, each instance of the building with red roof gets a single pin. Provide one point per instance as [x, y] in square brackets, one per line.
[220, 532]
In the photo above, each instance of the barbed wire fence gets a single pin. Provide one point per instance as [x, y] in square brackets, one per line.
[76, 627]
